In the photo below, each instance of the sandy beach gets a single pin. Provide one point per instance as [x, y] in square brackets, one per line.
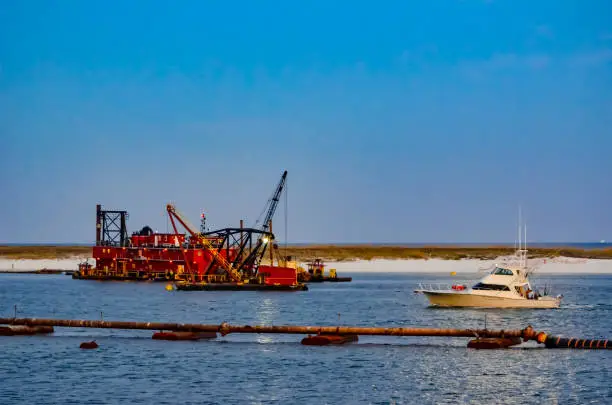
[559, 265]
[26, 265]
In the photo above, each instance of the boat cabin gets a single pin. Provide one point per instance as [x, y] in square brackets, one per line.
[504, 275]
[507, 279]
[491, 287]
[500, 271]
[316, 268]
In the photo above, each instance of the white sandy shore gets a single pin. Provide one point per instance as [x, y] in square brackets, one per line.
[39, 264]
[549, 266]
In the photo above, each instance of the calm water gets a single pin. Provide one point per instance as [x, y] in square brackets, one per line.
[129, 367]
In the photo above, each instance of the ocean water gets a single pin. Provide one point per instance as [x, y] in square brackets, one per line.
[130, 368]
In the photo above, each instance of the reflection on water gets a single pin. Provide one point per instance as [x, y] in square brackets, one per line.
[266, 310]
[264, 339]
[236, 369]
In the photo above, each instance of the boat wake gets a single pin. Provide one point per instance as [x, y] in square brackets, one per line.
[583, 306]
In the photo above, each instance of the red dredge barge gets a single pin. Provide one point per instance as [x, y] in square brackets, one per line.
[224, 259]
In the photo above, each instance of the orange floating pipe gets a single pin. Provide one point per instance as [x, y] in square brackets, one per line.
[525, 334]
[225, 328]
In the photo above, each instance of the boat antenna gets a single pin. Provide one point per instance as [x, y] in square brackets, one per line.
[519, 227]
[525, 245]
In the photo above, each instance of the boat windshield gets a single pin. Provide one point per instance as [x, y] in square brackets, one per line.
[499, 271]
[493, 287]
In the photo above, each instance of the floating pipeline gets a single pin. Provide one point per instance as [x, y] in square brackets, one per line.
[174, 335]
[343, 332]
[493, 343]
[324, 340]
[225, 328]
[574, 343]
[89, 345]
[555, 342]
[17, 330]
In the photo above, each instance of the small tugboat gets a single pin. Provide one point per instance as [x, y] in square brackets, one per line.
[316, 273]
[506, 286]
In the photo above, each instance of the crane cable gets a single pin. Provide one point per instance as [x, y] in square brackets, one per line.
[265, 208]
[286, 226]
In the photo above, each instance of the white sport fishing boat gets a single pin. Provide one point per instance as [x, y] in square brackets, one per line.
[506, 286]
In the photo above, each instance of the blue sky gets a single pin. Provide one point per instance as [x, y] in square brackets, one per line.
[397, 121]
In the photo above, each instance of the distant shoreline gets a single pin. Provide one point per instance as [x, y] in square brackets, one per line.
[331, 252]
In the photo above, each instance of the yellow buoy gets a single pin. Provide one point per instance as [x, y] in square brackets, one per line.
[169, 287]
[453, 273]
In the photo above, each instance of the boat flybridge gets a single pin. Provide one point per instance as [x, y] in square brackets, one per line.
[506, 286]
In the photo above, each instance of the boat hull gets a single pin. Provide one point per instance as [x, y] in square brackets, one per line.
[450, 299]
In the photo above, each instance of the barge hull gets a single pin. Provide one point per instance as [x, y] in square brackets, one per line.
[101, 277]
[330, 279]
[240, 287]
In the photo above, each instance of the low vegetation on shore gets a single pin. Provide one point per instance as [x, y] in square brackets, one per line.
[365, 252]
[43, 252]
[340, 252]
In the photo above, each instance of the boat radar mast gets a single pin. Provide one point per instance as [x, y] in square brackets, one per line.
[522, 244]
